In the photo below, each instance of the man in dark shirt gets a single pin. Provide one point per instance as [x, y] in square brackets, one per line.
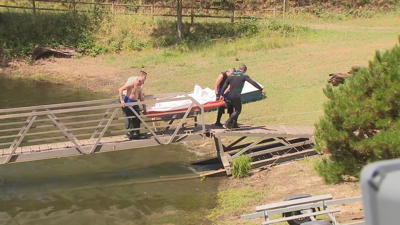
[218, 86]
[236, 82]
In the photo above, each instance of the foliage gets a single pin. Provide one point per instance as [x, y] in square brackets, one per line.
[200, 33]
[361, 122]
[286, 29]
[241, 166]
[21, 31]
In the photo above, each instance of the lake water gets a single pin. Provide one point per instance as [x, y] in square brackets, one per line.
[138, 186]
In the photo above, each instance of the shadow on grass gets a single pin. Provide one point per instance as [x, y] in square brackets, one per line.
[165, 33]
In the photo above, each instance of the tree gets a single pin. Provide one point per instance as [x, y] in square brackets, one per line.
[179, 19]
[361, 122]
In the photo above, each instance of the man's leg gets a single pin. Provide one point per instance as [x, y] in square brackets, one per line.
[228, 124]
[136, 125]
[124, 111]
[221, 110]
[128, 121]
[230, 111]
[237, 105]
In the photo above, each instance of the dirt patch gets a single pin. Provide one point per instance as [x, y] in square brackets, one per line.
[89, 72]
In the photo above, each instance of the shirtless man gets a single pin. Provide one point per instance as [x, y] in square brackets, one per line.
[133, 94]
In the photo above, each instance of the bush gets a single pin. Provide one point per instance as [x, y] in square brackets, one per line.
[361, 122]
[241, 166]
[21, 31]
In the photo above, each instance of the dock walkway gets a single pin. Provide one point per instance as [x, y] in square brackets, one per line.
[59, 130]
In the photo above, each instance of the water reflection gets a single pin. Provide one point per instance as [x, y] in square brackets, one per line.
[21, 93]
[124, 187]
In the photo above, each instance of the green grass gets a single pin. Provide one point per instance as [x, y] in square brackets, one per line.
[232, 201]
[293, 70]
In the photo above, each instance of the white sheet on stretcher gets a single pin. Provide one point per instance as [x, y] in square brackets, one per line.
[199, 94]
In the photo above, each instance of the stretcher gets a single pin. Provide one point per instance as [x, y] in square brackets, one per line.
[204, 97]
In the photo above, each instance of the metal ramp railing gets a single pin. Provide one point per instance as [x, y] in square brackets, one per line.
[85, 127]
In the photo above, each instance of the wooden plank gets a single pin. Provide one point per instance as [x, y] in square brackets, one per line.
[120, 138]
[84, 142]
[44, 147]
[22, 149]
[301, 130]
[271, 150]
[273, 129]
[61, 145]
[52, 146]
[355, 223]
[310, 130]
[91, 141]
[287, 131]
[226, 159]
[68, 144]
[106, 140]
[328, 211]
[294, 130]
[281, 210]
[294, 202]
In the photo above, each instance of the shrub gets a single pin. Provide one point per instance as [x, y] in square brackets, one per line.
[241, 166]
[21, 31]
[361, 122]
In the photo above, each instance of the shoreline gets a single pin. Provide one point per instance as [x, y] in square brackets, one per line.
[88, 72]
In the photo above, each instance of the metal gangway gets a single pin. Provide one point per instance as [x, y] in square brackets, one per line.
[80, 128]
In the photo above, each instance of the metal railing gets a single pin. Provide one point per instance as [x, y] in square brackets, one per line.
[90, 121]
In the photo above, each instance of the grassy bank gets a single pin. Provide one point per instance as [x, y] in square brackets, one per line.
[293, 68]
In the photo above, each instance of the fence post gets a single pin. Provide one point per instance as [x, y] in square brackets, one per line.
[33, 6]
[233, 14]
[152, 10]
[74, 4]
[284, 9]
[112, 8]
[274, 12]
[191, 15]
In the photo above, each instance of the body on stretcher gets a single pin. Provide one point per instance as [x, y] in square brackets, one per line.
[205, 97]
[175, 112]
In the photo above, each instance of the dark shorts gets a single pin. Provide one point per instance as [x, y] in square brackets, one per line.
[127, 100]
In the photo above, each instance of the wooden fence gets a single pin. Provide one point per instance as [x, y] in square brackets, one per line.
[195, 11]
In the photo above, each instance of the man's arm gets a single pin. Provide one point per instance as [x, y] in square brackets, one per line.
[217, 82]
[226, 84]
[141, 97]
[228, 89]
[121, 89]
[255, 84]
